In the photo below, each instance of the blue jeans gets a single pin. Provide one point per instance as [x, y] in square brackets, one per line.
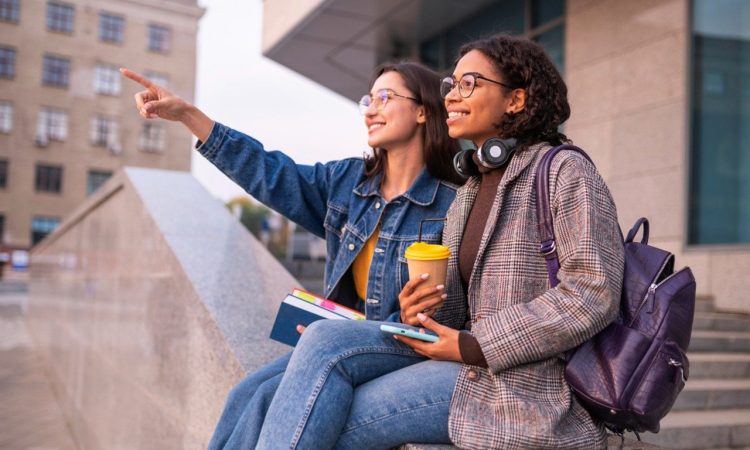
[245, 410]
[348, 385]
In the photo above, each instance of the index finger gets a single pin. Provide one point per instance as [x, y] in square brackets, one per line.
[417, 345]
[137, 77]
[412, 284]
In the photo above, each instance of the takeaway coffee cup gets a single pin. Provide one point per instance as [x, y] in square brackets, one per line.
[422, 257]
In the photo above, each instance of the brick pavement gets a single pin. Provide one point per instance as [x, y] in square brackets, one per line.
[30, 416]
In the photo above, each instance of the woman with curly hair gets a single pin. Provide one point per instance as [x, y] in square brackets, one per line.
[494, 379]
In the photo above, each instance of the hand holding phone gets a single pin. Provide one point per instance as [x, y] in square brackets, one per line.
[412, 332]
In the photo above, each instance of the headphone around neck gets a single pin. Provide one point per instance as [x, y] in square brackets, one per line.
[494, 153]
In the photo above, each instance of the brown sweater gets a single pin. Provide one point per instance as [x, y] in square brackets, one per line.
[471, 352]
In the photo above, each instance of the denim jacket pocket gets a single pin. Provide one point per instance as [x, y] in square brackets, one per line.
[335, 221]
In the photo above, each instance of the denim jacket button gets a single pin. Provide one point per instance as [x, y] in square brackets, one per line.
[343, 230]
[351, 247]
[473, 375]
[377, 205]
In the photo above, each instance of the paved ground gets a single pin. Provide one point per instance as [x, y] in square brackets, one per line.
[30, 417]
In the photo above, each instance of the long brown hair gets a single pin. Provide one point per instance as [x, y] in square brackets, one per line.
[524, 64]
[439, 148]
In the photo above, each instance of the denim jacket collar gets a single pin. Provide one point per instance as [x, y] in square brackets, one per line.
[422, 191]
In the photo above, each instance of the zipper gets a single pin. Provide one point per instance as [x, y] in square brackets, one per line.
[650, 297]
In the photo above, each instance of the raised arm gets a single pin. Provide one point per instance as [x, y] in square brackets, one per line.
[157, 102]
[299, 192]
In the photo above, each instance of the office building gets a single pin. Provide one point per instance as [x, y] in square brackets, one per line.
[67, 116]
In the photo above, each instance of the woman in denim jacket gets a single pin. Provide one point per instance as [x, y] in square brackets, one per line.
[368, 211]
[495, 378]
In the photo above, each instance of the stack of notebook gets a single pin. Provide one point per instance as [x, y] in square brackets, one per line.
[302, 308]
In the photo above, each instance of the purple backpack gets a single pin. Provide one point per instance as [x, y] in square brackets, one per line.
[629, 375]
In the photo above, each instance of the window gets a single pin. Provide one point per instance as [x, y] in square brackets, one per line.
[3, 174]
[106, 80]
[103, 133]
[719, 180]
[49, 178]
[159, 79]
[9, 10]
[96, 178]
[42, 226]
[56, 71]
[7, 62]
[540, 20]
[6, 116]
[60, 17]
[51, 125]
[111, 28]
[159, 38]
[152, 137]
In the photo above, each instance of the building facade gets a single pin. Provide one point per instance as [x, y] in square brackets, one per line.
[67, 117]
[659, 90]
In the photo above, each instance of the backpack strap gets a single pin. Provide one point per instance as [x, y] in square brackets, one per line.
[633, 231]
[544, 212]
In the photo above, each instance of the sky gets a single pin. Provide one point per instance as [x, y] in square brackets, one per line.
[285, 111]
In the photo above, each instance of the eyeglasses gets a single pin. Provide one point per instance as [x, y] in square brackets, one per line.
[379, 99]
[466, 84]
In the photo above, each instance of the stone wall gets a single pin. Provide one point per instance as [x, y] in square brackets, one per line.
[150, 302]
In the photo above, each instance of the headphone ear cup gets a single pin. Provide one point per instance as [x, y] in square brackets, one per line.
[464, 164]
[496, 152]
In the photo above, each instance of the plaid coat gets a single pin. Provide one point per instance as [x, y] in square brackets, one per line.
[523, 326]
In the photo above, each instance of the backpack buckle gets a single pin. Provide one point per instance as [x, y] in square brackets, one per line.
[547, 247]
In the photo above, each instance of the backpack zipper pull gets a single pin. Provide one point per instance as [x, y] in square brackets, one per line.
[651, 298]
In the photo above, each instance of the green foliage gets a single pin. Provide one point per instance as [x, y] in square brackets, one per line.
[252, 215]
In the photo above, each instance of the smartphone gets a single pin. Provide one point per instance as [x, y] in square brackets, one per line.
[412, 332]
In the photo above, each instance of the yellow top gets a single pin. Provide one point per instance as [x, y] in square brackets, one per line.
[361, 265]
[422, 251]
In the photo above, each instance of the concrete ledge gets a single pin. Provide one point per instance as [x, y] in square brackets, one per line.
[150, 301]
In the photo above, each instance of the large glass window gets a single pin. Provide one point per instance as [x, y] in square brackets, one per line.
[541, 20]
[111, 27]
[60, 17]
[107, 79]
[103, 133]
[3, 174]
[56, 71]
[41, 226]
[153, 137]
[49, 178]
[7, 62]
[95, 179]
[158, 78]
[9, 10]
[720, 146]
[51, 125]
[6, 116]
[159, 38]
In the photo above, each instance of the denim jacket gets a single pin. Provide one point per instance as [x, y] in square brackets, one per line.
[335, 201]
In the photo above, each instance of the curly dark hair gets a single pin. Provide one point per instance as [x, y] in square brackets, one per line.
[439, 148]
[524, 64]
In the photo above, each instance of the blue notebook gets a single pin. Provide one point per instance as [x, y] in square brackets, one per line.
[294, 311]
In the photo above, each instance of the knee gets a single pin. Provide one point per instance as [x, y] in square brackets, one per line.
[332, 337]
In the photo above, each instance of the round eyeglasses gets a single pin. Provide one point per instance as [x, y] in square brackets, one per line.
[379, 99]
[466, 84]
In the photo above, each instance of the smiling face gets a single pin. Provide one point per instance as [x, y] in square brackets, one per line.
[399, 122]
[474, 118]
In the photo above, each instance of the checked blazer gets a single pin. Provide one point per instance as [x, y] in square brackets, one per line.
[523, 326]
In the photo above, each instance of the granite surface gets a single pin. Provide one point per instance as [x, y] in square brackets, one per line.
[150, 302]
